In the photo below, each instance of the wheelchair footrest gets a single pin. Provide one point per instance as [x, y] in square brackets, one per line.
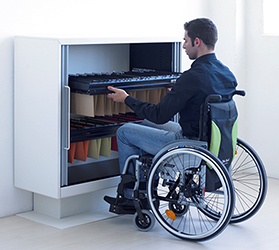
[128, 208]
[121, 209]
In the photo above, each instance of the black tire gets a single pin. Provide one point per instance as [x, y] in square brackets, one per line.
[147, 223]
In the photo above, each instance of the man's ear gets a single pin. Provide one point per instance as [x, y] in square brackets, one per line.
[197, 41]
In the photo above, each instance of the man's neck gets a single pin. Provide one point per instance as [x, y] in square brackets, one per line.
[205, 52]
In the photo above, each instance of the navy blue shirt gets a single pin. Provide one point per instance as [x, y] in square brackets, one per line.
[207, 75]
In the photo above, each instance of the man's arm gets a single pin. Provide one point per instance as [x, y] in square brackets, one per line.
[173, 102]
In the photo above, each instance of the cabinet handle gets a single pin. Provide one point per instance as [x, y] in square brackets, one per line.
[68, 118]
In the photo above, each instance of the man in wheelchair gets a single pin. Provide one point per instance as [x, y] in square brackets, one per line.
[206, 76]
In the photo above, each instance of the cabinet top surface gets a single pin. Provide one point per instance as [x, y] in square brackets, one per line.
[104, 40]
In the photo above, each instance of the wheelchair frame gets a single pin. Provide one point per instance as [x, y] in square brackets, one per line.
[177, 195]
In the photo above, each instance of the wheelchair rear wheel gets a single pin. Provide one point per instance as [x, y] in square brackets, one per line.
[250, 182]
[178, 195]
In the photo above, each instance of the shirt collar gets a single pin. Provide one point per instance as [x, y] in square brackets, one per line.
[204, 58]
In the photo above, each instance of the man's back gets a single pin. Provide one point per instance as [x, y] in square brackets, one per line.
[206, 76]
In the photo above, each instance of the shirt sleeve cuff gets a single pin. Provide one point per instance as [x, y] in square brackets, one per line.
[129, 100]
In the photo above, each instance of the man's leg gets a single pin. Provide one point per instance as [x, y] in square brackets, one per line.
[135, 138]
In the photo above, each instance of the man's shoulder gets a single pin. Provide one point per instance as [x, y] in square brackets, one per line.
[188, 73]
[189, 79]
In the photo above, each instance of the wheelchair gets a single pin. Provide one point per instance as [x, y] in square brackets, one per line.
[195, 188]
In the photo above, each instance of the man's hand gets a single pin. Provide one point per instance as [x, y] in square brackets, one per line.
[119, 95]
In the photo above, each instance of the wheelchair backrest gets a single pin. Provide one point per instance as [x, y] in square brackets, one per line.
[218, 126]
[224, 121]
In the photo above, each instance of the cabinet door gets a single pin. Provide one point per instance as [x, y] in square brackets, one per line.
[37, 115]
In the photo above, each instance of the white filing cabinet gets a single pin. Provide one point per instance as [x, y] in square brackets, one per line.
[41, 114]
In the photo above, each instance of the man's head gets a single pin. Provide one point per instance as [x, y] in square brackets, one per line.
[201, 31]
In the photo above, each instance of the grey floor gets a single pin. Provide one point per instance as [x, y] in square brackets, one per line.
[260, 232]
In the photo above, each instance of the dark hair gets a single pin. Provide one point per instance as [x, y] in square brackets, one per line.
[204, 29]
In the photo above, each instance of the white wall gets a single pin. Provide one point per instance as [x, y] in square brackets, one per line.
[241, 46]
[254, 58]
[262, 87]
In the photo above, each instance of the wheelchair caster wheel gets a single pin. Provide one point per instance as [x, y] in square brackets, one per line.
[145, 224]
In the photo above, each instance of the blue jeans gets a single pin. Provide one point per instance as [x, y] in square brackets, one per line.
[147, 137]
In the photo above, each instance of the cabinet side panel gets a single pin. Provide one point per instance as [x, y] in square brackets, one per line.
[37, 115]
